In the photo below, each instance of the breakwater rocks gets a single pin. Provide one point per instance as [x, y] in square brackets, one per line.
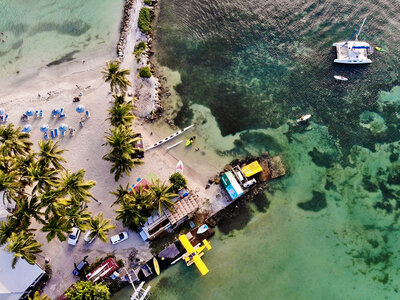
[125, 25]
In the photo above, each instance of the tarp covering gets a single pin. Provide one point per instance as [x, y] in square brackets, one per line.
[231, 185]
[251, 169]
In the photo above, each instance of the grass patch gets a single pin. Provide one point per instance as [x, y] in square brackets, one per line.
[144, 20]
[139, 48]
[145, 72]
[148, 2]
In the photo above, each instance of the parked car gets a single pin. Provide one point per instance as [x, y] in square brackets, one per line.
[74, 236]
[79, 267]
[118, 238]
[87, 238]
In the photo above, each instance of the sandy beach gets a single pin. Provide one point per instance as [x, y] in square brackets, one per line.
[55, 87]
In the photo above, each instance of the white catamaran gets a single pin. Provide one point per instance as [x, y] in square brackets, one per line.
[353, 52]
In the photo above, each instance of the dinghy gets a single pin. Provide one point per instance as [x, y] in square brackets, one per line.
[303, 118]
[341, 78]
[179, 167]
[202, 229]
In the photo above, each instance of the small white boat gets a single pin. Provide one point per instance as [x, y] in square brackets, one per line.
[202, 229]
[179, 167]
[303, 118]
[339, 77]
[353, 52]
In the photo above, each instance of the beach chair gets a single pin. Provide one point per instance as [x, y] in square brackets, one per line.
[87, 114]
[5, 118]
[62, 116]
[46, 136]
[52, 134]
[62, 133]
[41, 114]
[37, 114]
[56, 132]
[61, 111]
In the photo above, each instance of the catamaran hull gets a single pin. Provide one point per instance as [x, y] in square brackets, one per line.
[353, 62]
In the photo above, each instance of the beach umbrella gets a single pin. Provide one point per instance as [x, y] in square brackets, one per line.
[44, 128]
[30, 112]
[80, 108]
[1, 111]
[27, 128]
[63, 127]
[56, 111]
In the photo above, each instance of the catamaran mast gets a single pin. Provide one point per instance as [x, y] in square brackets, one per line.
[359, 31]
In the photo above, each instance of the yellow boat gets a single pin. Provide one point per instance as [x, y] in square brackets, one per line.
[156, 266]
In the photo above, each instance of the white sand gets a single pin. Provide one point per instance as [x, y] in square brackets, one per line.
[86, 148]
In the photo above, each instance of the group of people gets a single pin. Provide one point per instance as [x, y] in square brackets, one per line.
[4, 35]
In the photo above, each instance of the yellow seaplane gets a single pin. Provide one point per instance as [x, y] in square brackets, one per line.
[194, 254]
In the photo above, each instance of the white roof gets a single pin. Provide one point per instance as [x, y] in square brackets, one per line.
[14, 282]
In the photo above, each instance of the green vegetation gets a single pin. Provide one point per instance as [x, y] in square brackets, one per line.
[121, 112]
[148, 2]
[178, 182]
[99, 227]
[37, 296]
[144, 20]
[122, 141]
[145, 72]
[87, 290]
[137, 205]
[56, 199]
[140, 47]
[117, 78]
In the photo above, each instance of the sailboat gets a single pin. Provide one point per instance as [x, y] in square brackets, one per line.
[353, 52]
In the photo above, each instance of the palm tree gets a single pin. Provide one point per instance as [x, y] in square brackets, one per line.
[24, 162]
[14, 141]
[99, 227]
[75, 186]
[52, 201]
[26, 209]
[23, 245]
[121, 114]
[50, 154]
[37, 296]
[161, 195]
[76, 215]
[10, 184]
[122, 142]
[57, 226]
[44, 176]
[7, 228]
[131, 213]
[117, 78]
[120, 193]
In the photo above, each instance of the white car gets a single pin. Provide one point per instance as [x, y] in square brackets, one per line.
[74, 236]
[87, 238]
[118, 238]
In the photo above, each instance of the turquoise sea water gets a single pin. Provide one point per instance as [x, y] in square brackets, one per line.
[37, 33]
[330, 228]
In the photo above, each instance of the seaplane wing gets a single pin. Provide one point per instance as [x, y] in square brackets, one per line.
[194, 254]
[186, 244]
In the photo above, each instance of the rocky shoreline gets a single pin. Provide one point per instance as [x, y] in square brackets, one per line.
[125, 24]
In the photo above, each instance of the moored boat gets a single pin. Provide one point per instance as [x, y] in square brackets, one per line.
[341, 78]
[179, 167]
[353, 52]
[303, 118]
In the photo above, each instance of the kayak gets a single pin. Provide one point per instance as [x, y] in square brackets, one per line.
[188, 142]
[303, 118]
[202, 229]
[341, 78]
[179, 167]
[156, 266]
[379, 49]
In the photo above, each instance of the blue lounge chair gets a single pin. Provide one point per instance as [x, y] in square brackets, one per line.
[52, 134]
[56, 132]
[46, 136]
[41, 114]
[62, 116]
[61, 111]
[62, 133]
[36, 114]
[87, 114]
